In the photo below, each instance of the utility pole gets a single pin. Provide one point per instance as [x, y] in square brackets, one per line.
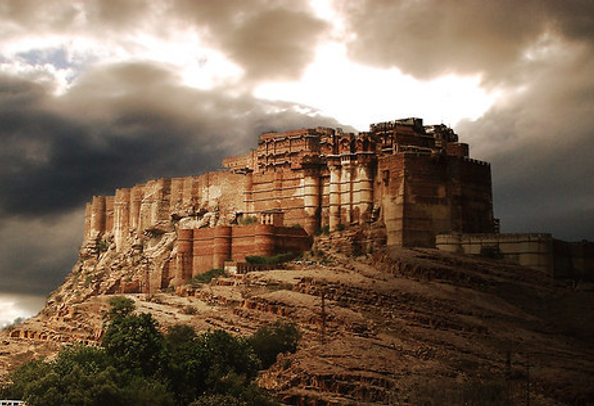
[508, 378]
[527, 379]
[323, 332]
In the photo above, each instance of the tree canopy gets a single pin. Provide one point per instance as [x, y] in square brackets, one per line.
[139, 365]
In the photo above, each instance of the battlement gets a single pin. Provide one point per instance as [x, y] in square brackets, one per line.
[416, 123]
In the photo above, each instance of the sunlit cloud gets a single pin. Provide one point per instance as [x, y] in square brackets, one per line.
[358, 95]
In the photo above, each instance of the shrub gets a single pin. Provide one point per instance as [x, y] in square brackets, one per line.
[190, 310]
[140, 366]
[247, 220]
[102, 245]
[120, 306]
[206, 277]
[83, 376]
[271, 260]
[271, 340]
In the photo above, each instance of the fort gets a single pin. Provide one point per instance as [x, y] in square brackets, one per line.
[402, 183]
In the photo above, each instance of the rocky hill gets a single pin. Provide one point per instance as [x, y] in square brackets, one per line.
[401, 326]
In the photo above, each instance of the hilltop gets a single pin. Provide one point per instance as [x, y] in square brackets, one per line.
[400, 326]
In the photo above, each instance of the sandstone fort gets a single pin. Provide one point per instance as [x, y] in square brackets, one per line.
[401, 184]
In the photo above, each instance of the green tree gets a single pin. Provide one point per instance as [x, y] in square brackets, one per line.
[187, 365]
[271, 340]
[227, 354]
[135, 344]
[80, 376]
[23, 377]
[142, 391]
[120, 307]
[139, 366]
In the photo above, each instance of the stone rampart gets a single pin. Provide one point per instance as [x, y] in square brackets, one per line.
[534, 251]
[210, 247]
[415, 181]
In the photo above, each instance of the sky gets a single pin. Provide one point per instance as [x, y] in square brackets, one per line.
[102, 94]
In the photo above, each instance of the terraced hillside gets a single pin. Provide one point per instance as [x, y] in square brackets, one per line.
[402, 326]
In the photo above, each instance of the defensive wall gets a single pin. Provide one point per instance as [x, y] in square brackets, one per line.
[417, 181]
[411, 180]
[542, 252]
[199, 250]
[134, 210]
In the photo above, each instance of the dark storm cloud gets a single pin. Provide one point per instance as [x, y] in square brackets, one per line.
[36, 254]
[427, 38]
[540, 143]
[118, 126]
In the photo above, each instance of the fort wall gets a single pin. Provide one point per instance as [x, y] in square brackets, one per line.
[413, 181]
[133, 211]
[542, 252]
[416, 184]
[419, 179]
[200, 250]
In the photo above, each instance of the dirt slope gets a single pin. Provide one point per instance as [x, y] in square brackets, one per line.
[401, 327]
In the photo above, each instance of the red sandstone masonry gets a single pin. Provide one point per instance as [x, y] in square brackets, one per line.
[210, 247]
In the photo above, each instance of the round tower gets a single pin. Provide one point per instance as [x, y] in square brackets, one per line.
[311, 200]
[222, 246]
[264, 240]
[184, 259]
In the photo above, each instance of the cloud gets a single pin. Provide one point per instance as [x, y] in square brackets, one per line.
[267, 39]
[18, 306]
[538, 55]
[119, 125]
[427, 38]
[37, 253]
[539, 141]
